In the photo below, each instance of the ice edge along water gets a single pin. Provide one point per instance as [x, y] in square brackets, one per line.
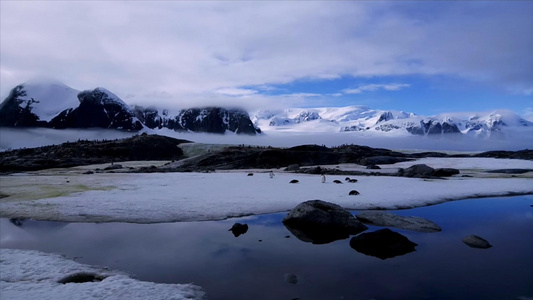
[28, 274]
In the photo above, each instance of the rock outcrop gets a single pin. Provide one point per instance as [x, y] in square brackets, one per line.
[139, 147]
[425, 171]
[98, 108]
[321, 222]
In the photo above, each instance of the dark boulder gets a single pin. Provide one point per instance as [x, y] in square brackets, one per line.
[425, 171]
[383, 244]
[353, 193]
[238, 229]
[321, 222]
[337, 181]
[445, 172]
[419, 171]
[294, 181]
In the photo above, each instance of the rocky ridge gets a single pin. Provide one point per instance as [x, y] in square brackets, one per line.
[99, 108]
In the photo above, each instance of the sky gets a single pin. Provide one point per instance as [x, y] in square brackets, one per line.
[425, 57]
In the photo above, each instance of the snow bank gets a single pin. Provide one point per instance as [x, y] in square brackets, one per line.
[27, 274]
[168, 197]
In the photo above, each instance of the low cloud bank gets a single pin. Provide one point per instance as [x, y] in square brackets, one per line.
[36, 137]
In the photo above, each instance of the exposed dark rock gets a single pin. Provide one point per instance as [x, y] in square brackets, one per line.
[337, 181]
[382, 218]
[113, 167]
[16, 112]
[419, 170]
[149, 116]
[475, 241]
[139, 147]
[445, 172]
[238, 229]
[98, 108]
[321, 222]
[373, 167]
[213, 120]
[383, 244]
[522, 154]
[81, 277]
[293, 167]
[353, 193]
[382, 160]
[294, 181]
[313, 170]
[510, 171]
[250, 174]
[433, 128]
[425, 171]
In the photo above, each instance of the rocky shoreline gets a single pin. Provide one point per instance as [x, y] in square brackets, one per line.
[306, 158]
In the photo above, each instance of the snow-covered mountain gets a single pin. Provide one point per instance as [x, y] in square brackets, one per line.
[364, 119]
[207, 119]
[36, 102]
[52, 104]
[49, 103]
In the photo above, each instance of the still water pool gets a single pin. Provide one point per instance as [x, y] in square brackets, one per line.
[268, 262]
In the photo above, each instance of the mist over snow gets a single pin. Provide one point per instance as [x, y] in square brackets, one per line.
[26, 138]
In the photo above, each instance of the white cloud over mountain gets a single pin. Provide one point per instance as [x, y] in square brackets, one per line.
[375, 87]
[191, 50]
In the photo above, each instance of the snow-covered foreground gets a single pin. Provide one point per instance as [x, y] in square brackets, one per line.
[69, 195]
[27, 274]
[169, 197]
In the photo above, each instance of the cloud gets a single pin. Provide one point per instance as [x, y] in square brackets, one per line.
[375, 87]
[235, 92]
[528, 114]
[188, 49]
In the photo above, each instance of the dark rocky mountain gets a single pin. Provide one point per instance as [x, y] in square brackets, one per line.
[208, 119]
[54, 105]
[432, 127]
[16, 112]
[98, 108]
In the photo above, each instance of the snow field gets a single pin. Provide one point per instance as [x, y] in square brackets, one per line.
[170, 197]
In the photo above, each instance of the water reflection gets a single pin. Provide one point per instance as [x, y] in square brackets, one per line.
[383, 243]
[238, 229]
[254, 265]
[317, 235]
